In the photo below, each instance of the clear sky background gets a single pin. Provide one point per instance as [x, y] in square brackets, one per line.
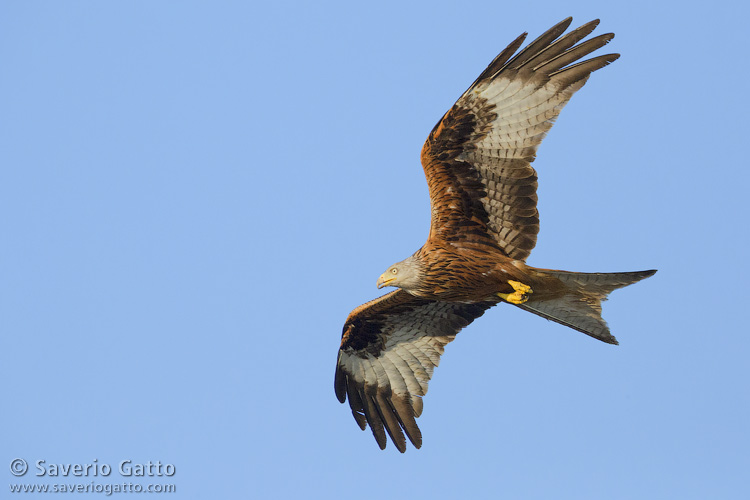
[194, 195]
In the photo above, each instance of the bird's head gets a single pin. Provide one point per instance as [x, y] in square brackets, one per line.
[406, 274]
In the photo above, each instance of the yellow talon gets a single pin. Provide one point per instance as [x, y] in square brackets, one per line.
[520, 295]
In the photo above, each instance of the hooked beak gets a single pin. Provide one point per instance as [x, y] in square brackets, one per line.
[385, 280]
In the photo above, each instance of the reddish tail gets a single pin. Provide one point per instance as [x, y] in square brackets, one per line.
[580, 308]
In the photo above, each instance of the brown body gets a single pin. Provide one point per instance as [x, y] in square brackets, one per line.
[478, 273]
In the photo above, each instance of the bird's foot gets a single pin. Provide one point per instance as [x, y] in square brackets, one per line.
[520, 295]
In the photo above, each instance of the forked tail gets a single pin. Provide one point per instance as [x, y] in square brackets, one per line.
[580, 307]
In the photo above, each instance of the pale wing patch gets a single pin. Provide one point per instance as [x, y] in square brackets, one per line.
[521, 120]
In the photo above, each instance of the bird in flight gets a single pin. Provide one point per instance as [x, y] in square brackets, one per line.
[484, 224]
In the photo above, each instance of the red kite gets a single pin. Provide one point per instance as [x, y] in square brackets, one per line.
[477, 161]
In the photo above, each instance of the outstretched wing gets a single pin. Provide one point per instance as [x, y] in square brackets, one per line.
[477, 159]
[389, 348]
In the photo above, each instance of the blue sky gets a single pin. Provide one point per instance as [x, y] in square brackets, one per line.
[196, 194]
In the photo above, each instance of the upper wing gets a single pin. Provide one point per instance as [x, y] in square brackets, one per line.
[389, 349]
[478, 157]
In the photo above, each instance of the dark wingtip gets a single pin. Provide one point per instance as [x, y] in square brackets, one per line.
[642, 275]
[565, 22]
[339, 385]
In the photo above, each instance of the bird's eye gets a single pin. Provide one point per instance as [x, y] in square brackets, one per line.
[394, 271]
